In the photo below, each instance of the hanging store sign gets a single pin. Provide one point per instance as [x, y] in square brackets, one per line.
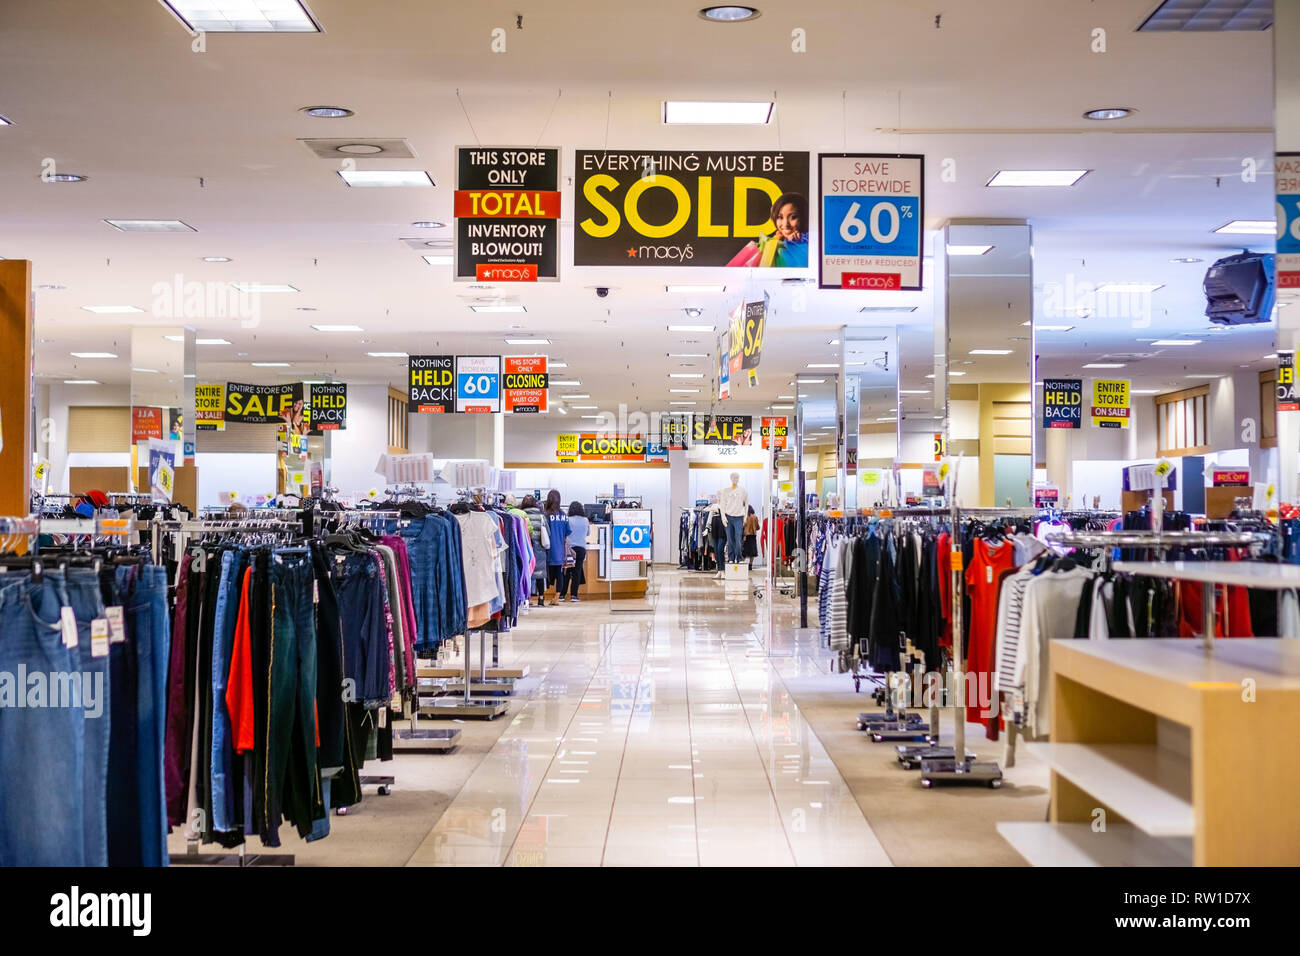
[1288, 398]
[162, 471]
[736, 342]
[210, 407]
[524, 382]
[263, 404]
[1286, 177]
[723, 430]
[871, 220]
[1062, 403]
[724, 367]
[592, 447]
[1230, 477]
[329, 408]
[146, 423]
[1047, 496]
[1110, 403]
[431, 384]
[566, 448]
[478, 384]
[675, 431]
[774, 431]
[175, 424]
[940, 446]
[931, 483]
[507, 209]
[676, 208]
[654, 451]
[752, 335]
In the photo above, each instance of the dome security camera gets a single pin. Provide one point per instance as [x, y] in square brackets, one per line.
[602, 291]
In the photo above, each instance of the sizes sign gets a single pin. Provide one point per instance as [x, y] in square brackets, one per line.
[629, 538]
[507, 214]
[871, 220]
[478, 384]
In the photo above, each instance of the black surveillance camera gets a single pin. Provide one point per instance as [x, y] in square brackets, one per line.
[602, 291]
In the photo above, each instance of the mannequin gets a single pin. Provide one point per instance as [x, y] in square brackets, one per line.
[733, 502]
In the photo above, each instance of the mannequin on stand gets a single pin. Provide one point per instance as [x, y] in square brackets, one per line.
[733, 502]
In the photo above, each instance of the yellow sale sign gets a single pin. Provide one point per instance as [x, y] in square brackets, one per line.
[1110, 403]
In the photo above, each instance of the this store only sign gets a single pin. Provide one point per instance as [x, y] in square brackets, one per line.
[742, 208]
[630, 534]
[431, 384]
[478, 384]
[329, 407]
[1288, 399]
[507, 208]
[1286, 175]
[1110, 403]
[524, 382]
[872, 209]
[722, 430]
[1062, 403]
[774, 431]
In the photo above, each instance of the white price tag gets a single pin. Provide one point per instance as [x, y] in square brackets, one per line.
[68, 622]
[116, 624]
[383, 717]
[99, 637]
[988, 574]
[315, 591]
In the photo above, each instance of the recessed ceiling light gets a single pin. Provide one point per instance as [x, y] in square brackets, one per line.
[887, 418]
[683, 403]
[1248, 227]
[209, 342]
[688, 355]
[779, 397]
[65, 178]
[80, 381]
[1205, 376]
[693, 313]
[385, 177]
[94, 355]
[704, 113]
[498, 308]
[1098, 365]
[1187, 259]
[701, 289]
[567, 381]
[269, 364]
[690, 328]
[326, 112]
[429, 224]
[683, 391]
[887, 309]
[338, 328]
[216, 258]
[150, 225]
[52, 287]
[811, 381]
[729, 14]
[359, 149]
[593, 417]
[914, 391]
[387, 354]
[1109, 113]
[5, 122]
[1176, 342]
[110, 309]
[441, 260]
[783, 408]
[557, 364]
[1053, 328]
[968, 250]
[1037, 177]
[262, 287]
[528, 341]
[1146, 391]
[576, 397]
[1271, 355]
[244, 16]
[991, 351]
[686, 375]
[822, 365]
[146, 371]
[1129, 287]
[585, 408]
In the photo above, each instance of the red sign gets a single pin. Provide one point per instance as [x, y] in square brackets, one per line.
[520, 272]
[871, 280]
[146, 423]
[524, 382]
[507, 204]
[775, 429]
[1233, 477]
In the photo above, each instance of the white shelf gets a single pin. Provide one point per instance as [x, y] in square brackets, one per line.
[1248, 574]
[1149, 786]
[1077, 844]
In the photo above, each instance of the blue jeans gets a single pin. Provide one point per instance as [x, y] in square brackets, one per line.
[425, 550]
[42, 750]
[361, 617]
[735, 534]
[87, 604]
[223, 639]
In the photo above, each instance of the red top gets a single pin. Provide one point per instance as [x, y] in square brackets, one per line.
[983, 579]
[239, 687]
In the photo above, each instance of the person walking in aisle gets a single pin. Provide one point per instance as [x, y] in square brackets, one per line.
[732, 501]
[540, 536]
[558, 526]
[750, 546]
[579, 527]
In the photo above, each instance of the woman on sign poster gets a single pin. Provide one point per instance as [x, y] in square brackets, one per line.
[787, 246]
[294, 418]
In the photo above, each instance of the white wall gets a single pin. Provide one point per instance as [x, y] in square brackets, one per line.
[249, 474]
[60, 398]
[355, 450]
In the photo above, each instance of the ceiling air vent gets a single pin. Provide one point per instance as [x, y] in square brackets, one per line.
[360, 148]
[1209, 16]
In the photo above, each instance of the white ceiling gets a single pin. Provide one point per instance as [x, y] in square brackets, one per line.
[114, 91]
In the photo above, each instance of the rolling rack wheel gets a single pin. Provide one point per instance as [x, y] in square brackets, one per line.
[384, 790]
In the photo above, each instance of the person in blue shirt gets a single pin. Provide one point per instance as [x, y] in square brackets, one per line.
[579, 527]
[558, 525]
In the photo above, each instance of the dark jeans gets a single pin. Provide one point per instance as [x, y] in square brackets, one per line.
[555, 575]
[574, 576]
[361, 617]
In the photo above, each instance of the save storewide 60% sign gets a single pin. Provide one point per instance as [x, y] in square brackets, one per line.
[629, 534]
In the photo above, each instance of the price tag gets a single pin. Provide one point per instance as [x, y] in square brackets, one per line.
[116, 627]
[958, 560]
[68, 622]
[383, 717]
[315, 591]
[99, 637]
[988, 574]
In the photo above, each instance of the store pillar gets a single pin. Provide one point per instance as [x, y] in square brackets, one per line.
[16, 316]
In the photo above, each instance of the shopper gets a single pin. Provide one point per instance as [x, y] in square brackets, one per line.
[718, 535]
[732, 501]
[750, 547]
[558, 526]
[579, 527]
[540, 536]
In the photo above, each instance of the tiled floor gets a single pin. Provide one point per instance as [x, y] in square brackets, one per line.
[659, 738]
